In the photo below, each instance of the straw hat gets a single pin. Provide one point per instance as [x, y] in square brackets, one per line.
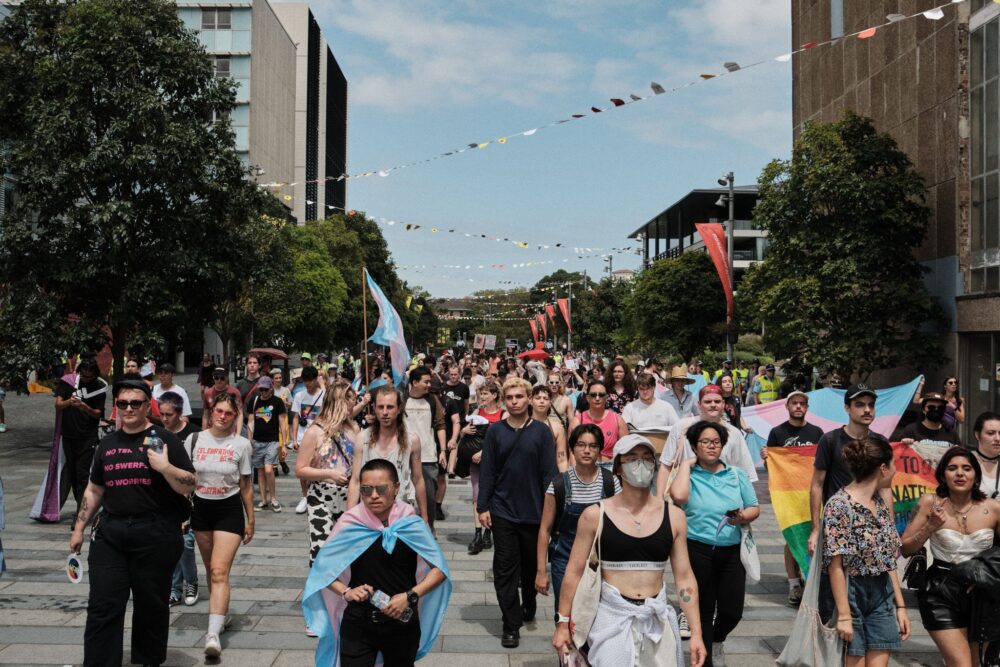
[679, 373]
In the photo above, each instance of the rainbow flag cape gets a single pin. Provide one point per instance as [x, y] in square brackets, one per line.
[789, 472]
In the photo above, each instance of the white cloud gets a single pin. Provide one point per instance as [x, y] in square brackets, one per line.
[738, 27]
[440, 59]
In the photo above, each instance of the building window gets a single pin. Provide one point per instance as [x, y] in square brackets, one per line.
[984, 165]
[220, 66]
[216, 19]
[836, 18]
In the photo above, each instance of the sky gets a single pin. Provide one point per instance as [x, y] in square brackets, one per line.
[429, 76]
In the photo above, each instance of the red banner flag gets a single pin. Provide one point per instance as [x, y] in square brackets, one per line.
[541, 321]
[550, 310]
[534, 330]
[564, 309]
[715, 241]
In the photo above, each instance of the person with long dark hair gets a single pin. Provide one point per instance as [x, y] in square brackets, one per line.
[956, 522]
[954, 410]
[621, 386]
[987, 452]
[860, 546]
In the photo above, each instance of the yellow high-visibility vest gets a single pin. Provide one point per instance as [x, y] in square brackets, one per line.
[768, 389]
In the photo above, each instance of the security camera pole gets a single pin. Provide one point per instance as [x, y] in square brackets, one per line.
[728, 179]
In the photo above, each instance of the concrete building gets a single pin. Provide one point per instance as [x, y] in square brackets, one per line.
[672, 231]
[934, 85]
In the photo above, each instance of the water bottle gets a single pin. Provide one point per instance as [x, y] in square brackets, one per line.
[155, 442]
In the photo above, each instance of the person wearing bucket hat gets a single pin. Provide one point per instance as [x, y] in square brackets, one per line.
[684, 403]
[638, 534]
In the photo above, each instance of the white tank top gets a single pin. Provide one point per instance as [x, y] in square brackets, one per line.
[955, 547]
[394, 456]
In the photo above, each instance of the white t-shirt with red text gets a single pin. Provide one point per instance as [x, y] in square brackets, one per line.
[219, 463]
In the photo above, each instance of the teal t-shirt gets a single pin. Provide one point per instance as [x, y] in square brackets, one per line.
[712, 495]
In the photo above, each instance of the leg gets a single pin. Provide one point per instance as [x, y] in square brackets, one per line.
[430, 471]
[262, 485]
[155, 547]
[701, 564]
[442, 484]
[358, 641]
[67, 479]
[205, 541]
[791, 567]
[399, 645]
[319, 505]
[954, 646]
[730, 582]
[270, 479]
[878, 658]
[855, 661]
[224, 546]
[527, 535]
[109, 591]
[506, 572]
[189, 567]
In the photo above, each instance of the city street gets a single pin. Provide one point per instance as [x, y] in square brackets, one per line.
[42, 615]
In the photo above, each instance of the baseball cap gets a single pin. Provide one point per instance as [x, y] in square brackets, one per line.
[306, 355]
[166, 368]
[798, 393]
[727, 361]
[709, 389]
[769, 367]
[321, 355]
[858, 389]
[626, 444]
[219, 370]
[932, 396]
[265, 382]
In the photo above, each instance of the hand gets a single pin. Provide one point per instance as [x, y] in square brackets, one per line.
[158, 461]
[76, 540]
[937, 517]
[442, 460]
[295, 445]
[542, 582]
[248, 532]
[477, 457]
[366, 399]
[397, 605]
[469, 429]
[907, 441]
[904, 623]
[738, 519]
[359, 593]
[339, 477]
[845, 629]
[486, 520]
[811, 544]
[763, 453]
[698, 651]
[452, 445]
[562, 641]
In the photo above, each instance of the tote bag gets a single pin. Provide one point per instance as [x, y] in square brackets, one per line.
[588, 592]
[748, 554]
[812, 644]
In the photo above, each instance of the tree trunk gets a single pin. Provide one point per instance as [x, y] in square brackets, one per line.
[119, 341]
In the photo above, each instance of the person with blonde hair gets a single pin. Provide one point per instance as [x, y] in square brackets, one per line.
[325, 461]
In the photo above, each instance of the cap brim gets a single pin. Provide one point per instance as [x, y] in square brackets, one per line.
[860, 393]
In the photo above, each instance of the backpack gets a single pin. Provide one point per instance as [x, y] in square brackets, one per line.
[564, 494]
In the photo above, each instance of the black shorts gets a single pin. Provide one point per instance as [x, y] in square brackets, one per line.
[944, 605]
[225, 514]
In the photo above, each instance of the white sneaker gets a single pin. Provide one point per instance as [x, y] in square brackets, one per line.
[3, 428]
[301, 507]
[718, 654]
[682, 623]
[213, 647]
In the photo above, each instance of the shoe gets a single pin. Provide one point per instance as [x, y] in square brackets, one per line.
[175, 599]
[439, 514]
[488, 540]
[284, 468]
[310, 633]
[682, 622]
[275, 506]
[262, 504]
[528, 612]
[3, 428]
[795, 596]
[511, 639]
[190, 594]
[718, 654]
[213, 647]
[476, 545]
[302, 506]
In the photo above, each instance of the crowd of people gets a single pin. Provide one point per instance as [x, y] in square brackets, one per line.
[589, 477]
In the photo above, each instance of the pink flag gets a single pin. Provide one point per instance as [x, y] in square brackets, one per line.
[715, 240]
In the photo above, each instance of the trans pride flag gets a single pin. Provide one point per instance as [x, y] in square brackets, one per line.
[389, 332]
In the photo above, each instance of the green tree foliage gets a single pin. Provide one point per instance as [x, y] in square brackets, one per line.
[678, 306]
[840, 288]
[598, 315]
[128, 198]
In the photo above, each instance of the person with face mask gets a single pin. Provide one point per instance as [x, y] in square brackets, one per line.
[637, 533]
[717, 499]
[930, 429]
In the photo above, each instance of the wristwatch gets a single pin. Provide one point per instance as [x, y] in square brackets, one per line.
[412, 598]
[562, 619]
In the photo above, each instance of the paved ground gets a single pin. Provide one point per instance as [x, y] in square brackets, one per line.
[42, 614]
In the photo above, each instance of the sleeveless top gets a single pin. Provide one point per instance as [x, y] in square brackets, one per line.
[620, 551]
[953, 547]
[562, 416]
[608, 426]
[337, 452]
[396, 457]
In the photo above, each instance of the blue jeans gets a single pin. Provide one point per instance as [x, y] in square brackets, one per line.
[187, 568]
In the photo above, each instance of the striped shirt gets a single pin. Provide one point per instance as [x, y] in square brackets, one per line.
[583, 493]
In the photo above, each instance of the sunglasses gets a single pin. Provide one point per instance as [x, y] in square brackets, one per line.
[125, 405]
[555, 382]
[368, 489]
[597, 394]
[223, 413]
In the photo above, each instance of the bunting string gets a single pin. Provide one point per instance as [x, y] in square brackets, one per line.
[728, 69]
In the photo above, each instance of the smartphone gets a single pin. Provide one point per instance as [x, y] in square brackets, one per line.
[732, 513]
[380, 600]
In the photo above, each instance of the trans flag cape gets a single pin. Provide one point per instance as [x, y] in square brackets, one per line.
[353, 533]
[389, 332]
[789, 472]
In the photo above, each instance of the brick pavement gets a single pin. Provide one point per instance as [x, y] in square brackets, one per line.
[42, 615]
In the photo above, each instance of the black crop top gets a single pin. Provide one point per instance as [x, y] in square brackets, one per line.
[653, 550]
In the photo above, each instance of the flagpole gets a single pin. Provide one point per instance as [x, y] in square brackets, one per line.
[364, 319]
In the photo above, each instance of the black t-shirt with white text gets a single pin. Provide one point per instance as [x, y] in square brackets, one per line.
[266, 415]
[786, 435]
[131, 486]
[459, 393]
[75, 422]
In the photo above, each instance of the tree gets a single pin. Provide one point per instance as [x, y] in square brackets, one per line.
[840, 288]
[597, 314]
[678, 304]
[128, 198]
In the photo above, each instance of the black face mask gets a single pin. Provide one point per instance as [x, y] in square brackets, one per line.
[935, 414]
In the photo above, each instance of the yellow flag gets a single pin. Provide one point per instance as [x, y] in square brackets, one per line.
[409, 300]
[419, 307]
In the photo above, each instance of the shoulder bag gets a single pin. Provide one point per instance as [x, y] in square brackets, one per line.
[588, 592]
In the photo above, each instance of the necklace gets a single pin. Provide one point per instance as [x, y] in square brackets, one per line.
[963, 515]
[991, 459]
[638, 522]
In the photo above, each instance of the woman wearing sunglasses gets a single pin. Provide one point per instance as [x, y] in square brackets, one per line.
[611, 423]
[223, 495]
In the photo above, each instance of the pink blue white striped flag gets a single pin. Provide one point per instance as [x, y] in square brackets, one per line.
[389, 332]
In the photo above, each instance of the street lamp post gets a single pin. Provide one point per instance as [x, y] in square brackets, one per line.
[729, 179]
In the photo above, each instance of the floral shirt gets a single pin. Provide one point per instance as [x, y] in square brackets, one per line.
[868, 543]
[618, 401]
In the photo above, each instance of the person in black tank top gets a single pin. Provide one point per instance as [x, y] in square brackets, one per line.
[636, 535]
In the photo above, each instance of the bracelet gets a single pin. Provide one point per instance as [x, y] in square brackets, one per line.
[344, 594]
[901, 606]
[844, 618]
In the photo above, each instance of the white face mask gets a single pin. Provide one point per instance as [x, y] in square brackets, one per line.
[639, 473]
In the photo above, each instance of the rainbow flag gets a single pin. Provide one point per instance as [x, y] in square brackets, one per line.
[789, 471]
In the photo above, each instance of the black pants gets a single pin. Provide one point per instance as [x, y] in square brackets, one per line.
[514, 564]
[137, 555]
[361, 639]
[430, 471]
[722, 582]
[79, 453]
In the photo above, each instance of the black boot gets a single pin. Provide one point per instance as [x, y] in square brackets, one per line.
[488, 539]
[439, 516]
[284, 467]
[476, 545]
